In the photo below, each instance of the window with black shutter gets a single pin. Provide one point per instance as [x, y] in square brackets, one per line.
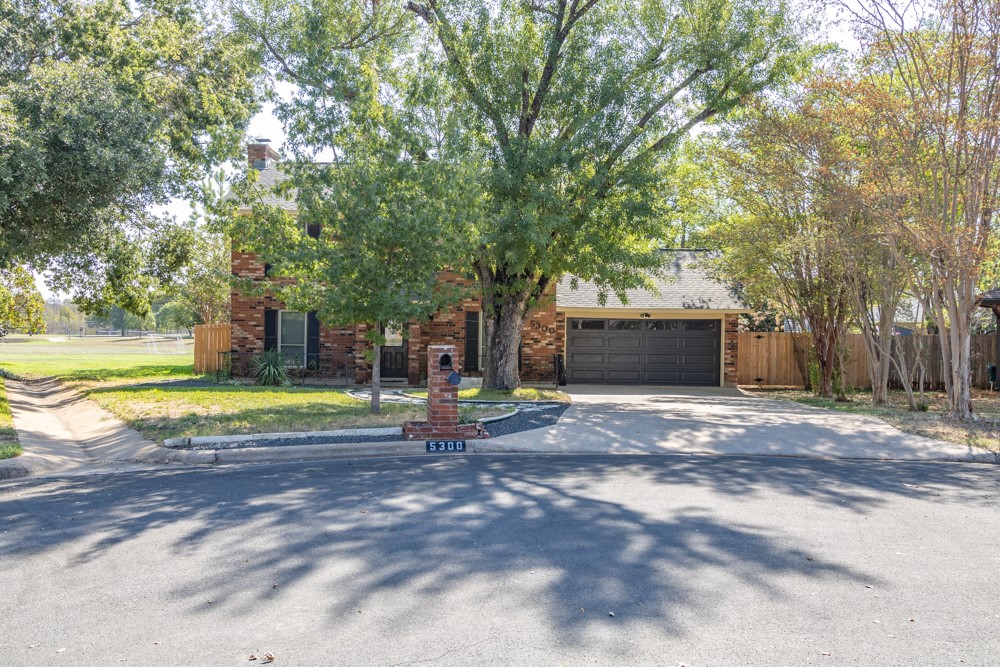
[313, 231]
[270, 329]
[471, 342]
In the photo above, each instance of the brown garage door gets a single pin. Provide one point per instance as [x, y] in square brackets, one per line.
[666, 352]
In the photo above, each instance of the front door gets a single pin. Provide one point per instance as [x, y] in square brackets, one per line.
[395, 357]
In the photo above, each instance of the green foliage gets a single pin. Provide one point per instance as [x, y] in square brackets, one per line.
[21, 306]
[555, 115]
[106, 109]
[9, 447]
[268, 369]
[199, 291]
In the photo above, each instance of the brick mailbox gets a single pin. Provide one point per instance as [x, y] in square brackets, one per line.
[442, 401]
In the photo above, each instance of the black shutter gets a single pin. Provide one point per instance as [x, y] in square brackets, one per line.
[312, 340]
[313, 231]
[270, 329]
[471, 342]
[267, 270]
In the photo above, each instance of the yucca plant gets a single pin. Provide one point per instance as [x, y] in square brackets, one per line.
[269, 369]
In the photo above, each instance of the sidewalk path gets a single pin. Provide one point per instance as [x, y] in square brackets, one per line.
[63, 432]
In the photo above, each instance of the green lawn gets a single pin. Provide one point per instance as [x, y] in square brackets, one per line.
[116, 373]
[166, 412]
[95, 360]
[522, 394]
[8, 436]
[934, 423]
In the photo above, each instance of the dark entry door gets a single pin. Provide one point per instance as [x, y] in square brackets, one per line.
[395, 360]
[665, 352]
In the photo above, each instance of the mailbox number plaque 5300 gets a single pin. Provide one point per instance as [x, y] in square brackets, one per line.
[446, 446]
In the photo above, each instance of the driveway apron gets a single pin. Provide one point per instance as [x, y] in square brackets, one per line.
[657, 420]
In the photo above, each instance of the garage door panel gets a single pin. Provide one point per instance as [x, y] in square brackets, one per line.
[587, 375]
[668, 352]
[624, 359]
[699, 378]
[663, 377]
[586, 359]
[626, 341]
[624, 375]
[701, 343]
[587, 340]
[670, 359]
[705, 360]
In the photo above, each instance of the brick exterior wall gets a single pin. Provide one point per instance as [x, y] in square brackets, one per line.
[730, 350]
[544, 335]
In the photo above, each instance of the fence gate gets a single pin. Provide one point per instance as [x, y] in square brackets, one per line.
[209, 341]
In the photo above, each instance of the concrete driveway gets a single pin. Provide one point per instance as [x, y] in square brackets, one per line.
[662, 420]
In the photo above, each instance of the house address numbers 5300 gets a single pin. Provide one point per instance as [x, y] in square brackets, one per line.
[537, 324]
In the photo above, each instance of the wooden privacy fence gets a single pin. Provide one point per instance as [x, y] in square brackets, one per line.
[209, 341]
[779, 359]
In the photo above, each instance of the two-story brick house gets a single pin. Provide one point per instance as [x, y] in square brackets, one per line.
[685, 335]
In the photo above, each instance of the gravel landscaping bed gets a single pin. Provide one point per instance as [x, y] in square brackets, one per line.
[526, 420]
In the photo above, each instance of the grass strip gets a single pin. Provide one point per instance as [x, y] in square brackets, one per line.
[9, 447]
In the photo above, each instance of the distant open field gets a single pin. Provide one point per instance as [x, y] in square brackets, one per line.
[104, 359]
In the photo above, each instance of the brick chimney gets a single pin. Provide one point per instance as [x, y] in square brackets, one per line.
[260, 154]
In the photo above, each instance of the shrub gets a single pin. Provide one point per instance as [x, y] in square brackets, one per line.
[269, 369]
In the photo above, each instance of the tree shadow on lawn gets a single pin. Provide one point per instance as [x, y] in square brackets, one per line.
[413, 529]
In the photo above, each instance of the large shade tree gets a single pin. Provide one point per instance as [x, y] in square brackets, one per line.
[562, 108]
[108, 108]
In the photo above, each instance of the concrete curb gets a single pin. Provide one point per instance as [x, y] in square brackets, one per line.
[252, 437]
[13, 469]
[334, 451]
[180, 443]
[283, 453]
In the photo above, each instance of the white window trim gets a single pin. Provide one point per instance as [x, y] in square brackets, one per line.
[305, 335]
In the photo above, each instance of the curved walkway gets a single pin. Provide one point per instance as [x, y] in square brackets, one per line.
[657, 420]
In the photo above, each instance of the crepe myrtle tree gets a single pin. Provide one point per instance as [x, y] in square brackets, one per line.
[561, 109]
[929, 77]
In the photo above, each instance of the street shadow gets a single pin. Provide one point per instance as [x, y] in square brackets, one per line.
[418, 527]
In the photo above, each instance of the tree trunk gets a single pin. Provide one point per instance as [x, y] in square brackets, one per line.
[376, 404]
[504, 326]
[960, 398]
[825, 342]
[899, 360]
[800, 347]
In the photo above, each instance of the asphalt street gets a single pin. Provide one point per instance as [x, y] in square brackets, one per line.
[469, 560]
